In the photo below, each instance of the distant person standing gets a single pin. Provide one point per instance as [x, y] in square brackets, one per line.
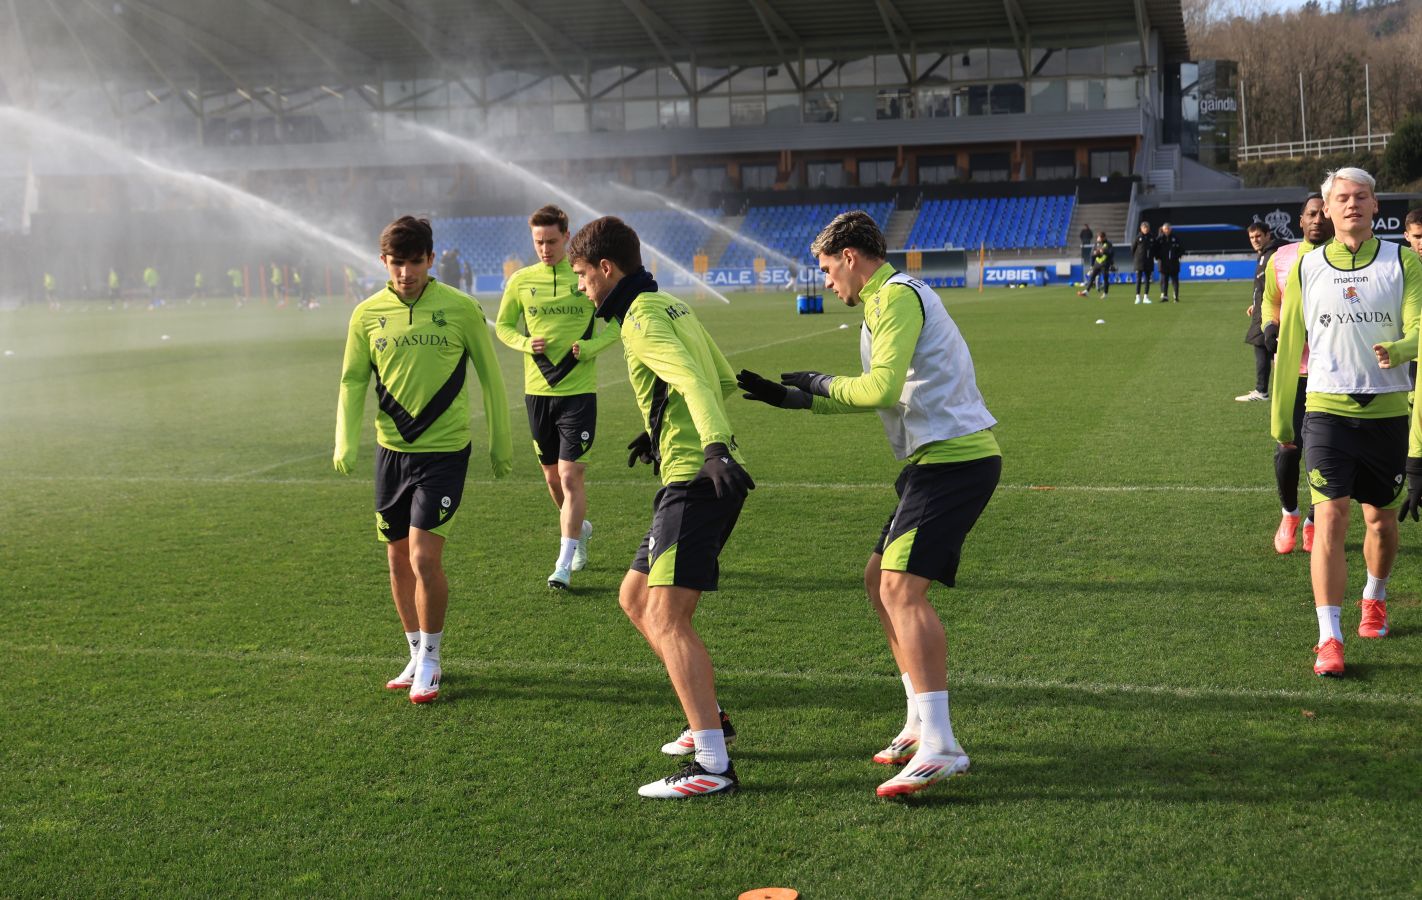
[150, 281]
[1143, 259]
[466, 279]
[49, 291]
[1103, 260]
[1086, 238]
[1263, 243]
[449, 268]
[113, 287]
[1168, 252]
[234, 276]
[417, 337]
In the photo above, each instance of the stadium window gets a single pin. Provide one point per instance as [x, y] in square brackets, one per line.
[821, 107]
[935, 103]
[1123, 58]
[977, 99]
[970, 64]
[888, 70]
[814, 68]
[1086, 60]
[651, 178]
[607, 116]
[563, 91]
[857, 105]
[1004, 63]
[705, 76]
[747, 111]
[779, 78]
[857, 72]
[1048, 61]
[642, 85]
[748, 81]
[502, 122]
[782, 109]
[937, 170]
[713, 112]
[570, 117]
[535, 118]
[1122, 93]
[639, 115]
[710, 178]
[874, 172]
[1085, 94]
[1110, 162]
[825, 174]
[1049, 96]
[894, 104]
[604, 79]
[668, 85]
[1008, 98]
[758, 177]
[1051, 164]
[674, 114]
[989, 167]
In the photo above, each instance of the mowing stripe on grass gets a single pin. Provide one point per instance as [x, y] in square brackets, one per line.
[1204, 692]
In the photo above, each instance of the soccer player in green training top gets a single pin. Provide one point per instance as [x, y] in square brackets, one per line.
[415, 336]
[1355, 303]
[680, 380]
[559, 377]
[919, 377]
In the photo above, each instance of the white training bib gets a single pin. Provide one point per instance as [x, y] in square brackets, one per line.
[940, 399]
[1345, 313]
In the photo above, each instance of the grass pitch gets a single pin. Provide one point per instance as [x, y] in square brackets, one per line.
[197, 631]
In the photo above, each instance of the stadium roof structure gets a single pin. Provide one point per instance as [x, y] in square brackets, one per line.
[244, 45]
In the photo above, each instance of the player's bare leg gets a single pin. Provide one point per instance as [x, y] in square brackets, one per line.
[1328, 569]
[402, 590]
[431, 602]
[1380, 553]
[902, 748]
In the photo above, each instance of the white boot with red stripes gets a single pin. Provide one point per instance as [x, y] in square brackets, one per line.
[692, 781]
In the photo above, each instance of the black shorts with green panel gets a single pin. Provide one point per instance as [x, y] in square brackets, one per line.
[417, 490]
[690, 526]
[1360, 458]
[938, 505]
[563, 427]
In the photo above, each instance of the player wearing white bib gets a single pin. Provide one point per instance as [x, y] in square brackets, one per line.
[918, 376]
[1355, 304]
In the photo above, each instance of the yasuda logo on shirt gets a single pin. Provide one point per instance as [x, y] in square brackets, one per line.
[380, 344]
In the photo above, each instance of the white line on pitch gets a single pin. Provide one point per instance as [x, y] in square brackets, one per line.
[986, 681]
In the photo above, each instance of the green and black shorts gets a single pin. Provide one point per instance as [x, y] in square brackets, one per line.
[938, 505]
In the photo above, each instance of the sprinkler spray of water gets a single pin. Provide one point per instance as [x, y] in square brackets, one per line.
[468, 146]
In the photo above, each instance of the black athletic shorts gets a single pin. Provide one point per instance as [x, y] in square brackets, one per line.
[563, 427]
[690, 525]
[417, 489]
[1360, 458]
[938, 505]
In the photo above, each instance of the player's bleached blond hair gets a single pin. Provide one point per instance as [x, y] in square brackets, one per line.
[856, 229]
[1347, 173]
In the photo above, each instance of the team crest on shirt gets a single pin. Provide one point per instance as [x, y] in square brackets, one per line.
[1350, 294]
[438, 317]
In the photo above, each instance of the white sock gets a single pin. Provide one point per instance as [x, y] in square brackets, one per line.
[911, 718]
[711, 750]
[413, 639]
[937, 732]
[429, 647]
[1291, 512]
[1376, 588]
[565, 555]
[1328, 626]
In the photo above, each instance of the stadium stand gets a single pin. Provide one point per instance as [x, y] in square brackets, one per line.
[1000, 223]
[789, 230]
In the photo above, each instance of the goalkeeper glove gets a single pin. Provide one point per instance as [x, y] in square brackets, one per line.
[726, 475]
[767, 391]
[641, 448]
[1271, 338]
[1413, 503]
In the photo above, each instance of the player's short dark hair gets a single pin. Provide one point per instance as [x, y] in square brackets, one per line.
[1258, 228]
[1413, 217]
[607, 238]
[856, 229]
[407, 238]
[549, 215]
[1309, 199]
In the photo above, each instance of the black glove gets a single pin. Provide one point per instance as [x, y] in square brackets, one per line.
[767, 391]
[641, 448]
[810, 382]
[727, 477]
[1413, 503]
[1271, 338]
